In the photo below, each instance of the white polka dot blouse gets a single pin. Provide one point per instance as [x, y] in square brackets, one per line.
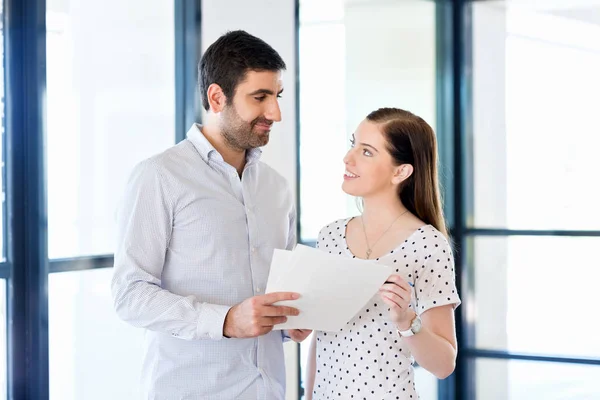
[367, 358]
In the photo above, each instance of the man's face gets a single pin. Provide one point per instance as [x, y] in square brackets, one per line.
[246, 121]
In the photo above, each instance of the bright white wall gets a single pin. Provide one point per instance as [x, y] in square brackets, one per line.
[272, 21]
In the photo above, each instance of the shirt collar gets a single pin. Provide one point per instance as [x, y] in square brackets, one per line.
[207, 150]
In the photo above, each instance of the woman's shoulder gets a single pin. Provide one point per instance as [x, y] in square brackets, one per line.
[432, 236]
[334, 229]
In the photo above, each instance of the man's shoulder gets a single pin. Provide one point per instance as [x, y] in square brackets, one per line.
[168, 159]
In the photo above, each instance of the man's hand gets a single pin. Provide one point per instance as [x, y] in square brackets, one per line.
[298, 335]
[256, 316]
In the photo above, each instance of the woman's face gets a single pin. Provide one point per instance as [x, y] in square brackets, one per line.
[369, 166]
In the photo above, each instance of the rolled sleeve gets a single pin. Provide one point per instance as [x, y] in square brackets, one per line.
[436, 286]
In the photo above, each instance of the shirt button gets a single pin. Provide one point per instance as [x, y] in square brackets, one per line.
[253, 249]
[257, 290]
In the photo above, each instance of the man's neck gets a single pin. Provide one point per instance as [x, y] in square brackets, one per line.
[234, 157]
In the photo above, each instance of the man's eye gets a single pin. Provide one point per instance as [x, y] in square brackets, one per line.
[260, 98]
[278, 96]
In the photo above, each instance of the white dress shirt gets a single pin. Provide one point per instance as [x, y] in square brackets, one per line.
[195, 239]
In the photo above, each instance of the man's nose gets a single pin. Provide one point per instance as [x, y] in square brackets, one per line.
[274, 112]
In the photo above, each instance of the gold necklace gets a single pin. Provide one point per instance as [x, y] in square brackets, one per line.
[370, 248]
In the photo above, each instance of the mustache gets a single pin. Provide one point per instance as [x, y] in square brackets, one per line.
[262, 120]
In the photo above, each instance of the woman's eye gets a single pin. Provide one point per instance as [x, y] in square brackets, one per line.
[367, 153]
[351, 142]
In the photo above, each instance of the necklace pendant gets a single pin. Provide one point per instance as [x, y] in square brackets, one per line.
[368, 253]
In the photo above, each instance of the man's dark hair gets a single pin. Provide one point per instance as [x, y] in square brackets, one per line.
[227, 61]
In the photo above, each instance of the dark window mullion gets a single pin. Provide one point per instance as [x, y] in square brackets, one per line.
[81, 263]
[25, 30]
[506, 355]
[4, 270]
[188, 45]
[529, 232]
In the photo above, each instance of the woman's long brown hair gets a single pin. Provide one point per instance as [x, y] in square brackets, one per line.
[412, 141]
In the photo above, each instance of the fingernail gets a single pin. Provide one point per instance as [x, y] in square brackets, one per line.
[295, 296]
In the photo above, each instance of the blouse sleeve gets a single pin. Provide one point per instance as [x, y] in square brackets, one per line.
[435, 285]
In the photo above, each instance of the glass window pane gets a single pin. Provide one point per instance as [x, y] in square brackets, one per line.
[110, 103]
[350, 52]
[516, 380]
[93, 354]
[535, 124]
[527, 288]
[427, 384]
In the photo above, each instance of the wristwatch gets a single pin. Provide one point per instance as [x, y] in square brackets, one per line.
[415, 327]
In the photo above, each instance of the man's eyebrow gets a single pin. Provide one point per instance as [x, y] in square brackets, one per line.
[264, 91]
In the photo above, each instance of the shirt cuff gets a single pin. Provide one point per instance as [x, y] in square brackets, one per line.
[211, 321]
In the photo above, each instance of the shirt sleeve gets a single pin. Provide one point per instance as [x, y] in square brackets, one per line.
[145, 222]
[292, 239]
[436, 285]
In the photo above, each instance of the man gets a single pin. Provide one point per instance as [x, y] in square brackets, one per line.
[197, 230]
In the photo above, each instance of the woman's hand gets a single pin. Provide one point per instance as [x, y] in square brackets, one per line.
[298, 335]
[395, 292]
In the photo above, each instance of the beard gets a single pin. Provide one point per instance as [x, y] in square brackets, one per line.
[240, 134]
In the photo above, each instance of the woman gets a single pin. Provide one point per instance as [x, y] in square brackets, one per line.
[392, 166]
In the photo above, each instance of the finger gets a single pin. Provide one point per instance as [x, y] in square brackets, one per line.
[390, 303]
[271, 321]
[397, 280]
[298, 336]
[271, 298]
[277, 311]
[395, 299]
[396, 289]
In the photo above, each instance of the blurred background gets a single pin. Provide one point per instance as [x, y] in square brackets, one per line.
[511, 87]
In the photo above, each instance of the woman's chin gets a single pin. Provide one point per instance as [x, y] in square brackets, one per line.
[348, 188]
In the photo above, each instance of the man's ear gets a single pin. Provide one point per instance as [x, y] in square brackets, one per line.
[216, 98]
[402, 173]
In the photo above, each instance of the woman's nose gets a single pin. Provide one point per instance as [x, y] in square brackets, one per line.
[348, 158]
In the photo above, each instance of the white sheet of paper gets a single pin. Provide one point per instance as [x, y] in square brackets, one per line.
[333, 289]
[281, 262]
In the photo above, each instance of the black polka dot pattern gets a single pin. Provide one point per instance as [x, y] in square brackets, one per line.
[367, 359]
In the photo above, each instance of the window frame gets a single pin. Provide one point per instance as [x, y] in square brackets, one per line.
[27, 266]
[454, 113]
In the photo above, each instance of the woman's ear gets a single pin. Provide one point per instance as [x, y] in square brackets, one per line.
[402, 173]
[216, 98]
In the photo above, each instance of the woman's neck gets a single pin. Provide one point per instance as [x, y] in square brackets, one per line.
[380, 211]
